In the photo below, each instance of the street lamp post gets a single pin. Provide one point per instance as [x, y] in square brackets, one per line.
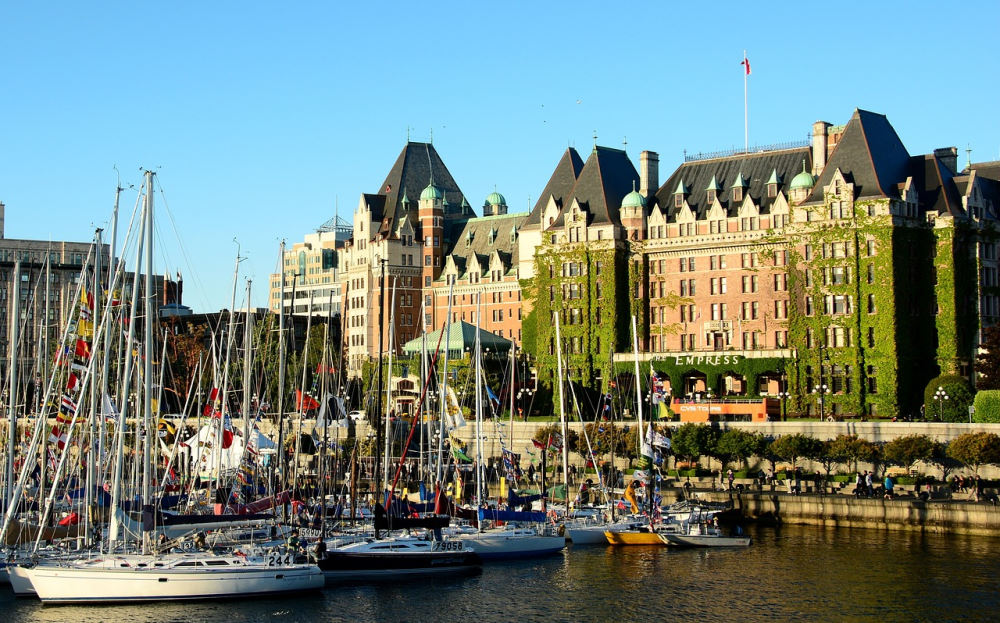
[821, 390]
[940, 395]
[784, 396]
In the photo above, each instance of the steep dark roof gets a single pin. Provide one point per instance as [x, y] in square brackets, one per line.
[936, 185]
[479, 230]
[412, 173]
[376, 203]
[560, 185]
[989, 170]
[756, 169]
[870, 155]
[606, 177]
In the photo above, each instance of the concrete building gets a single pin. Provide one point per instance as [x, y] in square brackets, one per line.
[311, 272]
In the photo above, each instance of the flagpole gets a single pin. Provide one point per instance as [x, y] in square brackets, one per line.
[746, 118]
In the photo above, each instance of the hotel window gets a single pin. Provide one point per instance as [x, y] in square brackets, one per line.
[684, 289]
[690, 264]
[808, 252]
[871, 273]
[809, 306]
[715, 311]
[781, 339]
[722, 311]
[810, 343]
[772, 190]
[679, 200]
[870, 244]
[871, 337]
[871, 303]
[715, 227]
[597, 267]
[754, 310]
[710, 196]
[691, 286]
[722, 285]
[683, 264]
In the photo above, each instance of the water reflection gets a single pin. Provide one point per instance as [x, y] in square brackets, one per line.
[789, 573]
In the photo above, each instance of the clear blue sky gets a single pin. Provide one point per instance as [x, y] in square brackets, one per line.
[261, 118]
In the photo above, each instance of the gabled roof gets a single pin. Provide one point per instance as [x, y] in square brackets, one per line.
[478, 230]
[411, 173]
[936, 185]
[606, 177]
[560, 185]
[870, 155]
[756, 168]
[989, 170]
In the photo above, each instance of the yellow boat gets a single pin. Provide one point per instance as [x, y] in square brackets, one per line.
[634, 536]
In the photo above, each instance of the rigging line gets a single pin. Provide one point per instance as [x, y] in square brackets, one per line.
[199, 286]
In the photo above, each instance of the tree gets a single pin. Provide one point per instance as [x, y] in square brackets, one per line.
[792, 447]
[988, 361]
[905, 451]
[735, 445]
[975, 449]
[691, 441]
[834, 452]
[987, 406]
[956, 407]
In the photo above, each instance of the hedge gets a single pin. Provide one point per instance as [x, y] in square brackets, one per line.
[987, 405]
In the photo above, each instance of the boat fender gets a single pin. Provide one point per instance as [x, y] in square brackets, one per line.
[562, 530]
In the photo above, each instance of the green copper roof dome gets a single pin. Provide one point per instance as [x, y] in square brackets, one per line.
[495, 199]
[634, 200]
[803, 179]
[432, 192]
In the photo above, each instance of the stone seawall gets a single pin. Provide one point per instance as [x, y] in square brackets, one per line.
[848, 511]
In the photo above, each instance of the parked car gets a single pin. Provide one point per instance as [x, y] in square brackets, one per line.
[357, 416]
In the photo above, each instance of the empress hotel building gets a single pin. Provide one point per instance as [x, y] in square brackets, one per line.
[844, 263]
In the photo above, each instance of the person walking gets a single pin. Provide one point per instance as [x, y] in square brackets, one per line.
[979, 488]
[868, 483]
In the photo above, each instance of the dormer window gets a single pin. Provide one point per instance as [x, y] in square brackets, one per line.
[710, 195]
[772, 190]
[679, 200]
[738, 194]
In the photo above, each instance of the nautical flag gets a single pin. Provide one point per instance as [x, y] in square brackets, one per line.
[67, 406]
[461, 456]
[210, 409]
[110, 412]
[493, 397]
[512, 465]
[304, 401]
[538, 444]
[82, 349]
[660, 441]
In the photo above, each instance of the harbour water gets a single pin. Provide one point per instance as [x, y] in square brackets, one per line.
[791, 573]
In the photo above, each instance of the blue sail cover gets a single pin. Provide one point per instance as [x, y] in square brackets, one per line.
[514, 500]
[498, 515]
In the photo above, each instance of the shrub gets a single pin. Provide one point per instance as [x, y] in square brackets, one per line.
[956, 407]
[987, 405]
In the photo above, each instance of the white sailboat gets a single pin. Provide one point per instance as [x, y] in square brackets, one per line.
[115, 579]
[112, 577]
[510, 541]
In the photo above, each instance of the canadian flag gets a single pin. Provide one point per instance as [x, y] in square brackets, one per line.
[746, 64]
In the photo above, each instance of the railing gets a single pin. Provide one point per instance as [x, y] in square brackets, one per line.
[726, 153]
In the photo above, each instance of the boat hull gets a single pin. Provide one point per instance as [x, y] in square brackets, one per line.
[66, 584]
[627, 537]
[704, 540]
[361, 566]
[507, 547]
[20, 583]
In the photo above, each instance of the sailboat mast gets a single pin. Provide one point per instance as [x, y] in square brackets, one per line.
[562, 412]
[91, 476]
[377, 416]
[388, 386]
[479, 406]
[119, 471]
[302, 396]
[15, 323]
[247, 359]
[444, 387]
[150, 310]
[281, 378]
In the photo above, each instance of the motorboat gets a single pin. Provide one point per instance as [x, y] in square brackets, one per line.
[397, 557]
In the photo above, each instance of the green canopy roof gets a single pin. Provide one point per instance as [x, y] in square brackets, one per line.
[459, 336]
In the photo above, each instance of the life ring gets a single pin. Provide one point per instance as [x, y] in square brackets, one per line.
[830, 418]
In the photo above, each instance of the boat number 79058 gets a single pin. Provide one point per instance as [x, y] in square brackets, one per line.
[448, 546]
